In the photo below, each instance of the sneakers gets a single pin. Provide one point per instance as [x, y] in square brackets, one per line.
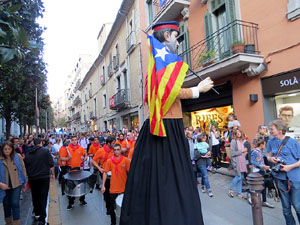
[202, 189]
[230, 194]
[83, 203]
[69, 207]
[210, 194]
[209, 168]
[97, 187]
[266, 204]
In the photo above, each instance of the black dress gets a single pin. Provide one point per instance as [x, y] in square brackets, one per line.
[161, 188]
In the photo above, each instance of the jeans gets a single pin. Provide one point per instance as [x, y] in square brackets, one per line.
[204, 176]
[39, 193]
[11, 204]
[288, 199]
[238, 182]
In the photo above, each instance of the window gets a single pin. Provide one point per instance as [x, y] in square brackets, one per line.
[118, 83]
[104, 101]
[95, 107]
[125, 80]
[293, 9]
[150, 11]
[183, 38]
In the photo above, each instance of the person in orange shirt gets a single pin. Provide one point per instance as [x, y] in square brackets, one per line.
[123, 143]
[131, 143]
[95, 146]
[78, 156]
[99, 161]
[119, 166]
[63, 157]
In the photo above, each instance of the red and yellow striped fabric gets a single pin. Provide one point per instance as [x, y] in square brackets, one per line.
[166, 73]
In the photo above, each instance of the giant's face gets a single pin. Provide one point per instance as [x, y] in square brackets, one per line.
[286, 116]
[171, 41]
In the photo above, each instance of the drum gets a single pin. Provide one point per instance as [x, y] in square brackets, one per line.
[77, 183]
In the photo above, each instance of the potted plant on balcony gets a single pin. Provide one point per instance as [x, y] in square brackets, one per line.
[238, 46]
[207, 58]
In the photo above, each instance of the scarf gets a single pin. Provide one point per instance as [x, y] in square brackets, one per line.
[121, 142]
[73, 148]
[107, 151]
[116, 162]
[96, 145]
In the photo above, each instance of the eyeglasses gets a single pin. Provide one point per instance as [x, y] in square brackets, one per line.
[117, 149]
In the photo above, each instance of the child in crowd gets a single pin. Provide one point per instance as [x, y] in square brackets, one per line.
[202, 147]
[257, 160]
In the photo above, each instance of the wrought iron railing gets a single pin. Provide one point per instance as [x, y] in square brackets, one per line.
[236, 37]
[110, 69]
[76, 116]
[77, 101]
[130, 41]
[119, 100]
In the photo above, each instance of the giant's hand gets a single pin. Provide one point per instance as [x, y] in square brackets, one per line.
[205, 85]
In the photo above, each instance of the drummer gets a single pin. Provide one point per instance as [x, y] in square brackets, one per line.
[118, 165]
[95, 146]
[99, 161]
[78, 156]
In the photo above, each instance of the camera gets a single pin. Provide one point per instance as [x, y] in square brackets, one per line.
[277, 166]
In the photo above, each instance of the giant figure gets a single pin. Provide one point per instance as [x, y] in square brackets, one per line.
[161, 187]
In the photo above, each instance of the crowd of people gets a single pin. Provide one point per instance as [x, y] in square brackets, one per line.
[37, 159]
[272, 154]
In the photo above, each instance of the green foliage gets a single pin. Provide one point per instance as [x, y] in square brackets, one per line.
[238, 42]
[61, 122]
[22, 69]
[206, 57]
[213, 123]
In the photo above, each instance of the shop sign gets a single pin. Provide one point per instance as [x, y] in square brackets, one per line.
[281, 83]
[202, 118]
[112, 102]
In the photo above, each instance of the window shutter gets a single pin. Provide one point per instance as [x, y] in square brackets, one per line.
[208, 31]
[231, 17]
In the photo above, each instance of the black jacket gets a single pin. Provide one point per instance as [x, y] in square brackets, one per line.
[38, 162]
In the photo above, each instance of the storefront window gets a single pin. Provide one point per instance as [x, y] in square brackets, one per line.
[288, 110]
[202, 118]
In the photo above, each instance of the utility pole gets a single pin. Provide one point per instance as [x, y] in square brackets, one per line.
[37, 111]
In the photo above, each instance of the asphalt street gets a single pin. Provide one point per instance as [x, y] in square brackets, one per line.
[218, 210]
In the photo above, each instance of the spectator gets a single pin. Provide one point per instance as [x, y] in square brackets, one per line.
[52, 139]
[40, 167]
[202, 155]
[238, 162]
[281, 147]
[12, 179]
[233, 121]
[215, 136]
[83, 142]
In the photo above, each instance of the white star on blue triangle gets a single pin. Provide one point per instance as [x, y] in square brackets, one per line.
[161, 53]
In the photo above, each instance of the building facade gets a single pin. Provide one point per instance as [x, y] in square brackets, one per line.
[111, 91]
[254, 66]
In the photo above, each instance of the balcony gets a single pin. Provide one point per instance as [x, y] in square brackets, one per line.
[231, 49]
[120, 100]
[110, 69]
[92, 115]
[130, 42]
[77, 101]
[71, 108]
[169, 11]
[102, 79]
[116, 62]
[76, 116]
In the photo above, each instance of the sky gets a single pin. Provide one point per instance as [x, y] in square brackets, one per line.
[72, 29]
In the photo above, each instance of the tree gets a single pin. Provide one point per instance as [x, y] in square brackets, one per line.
[22, 69]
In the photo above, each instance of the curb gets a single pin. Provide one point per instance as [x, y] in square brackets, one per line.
[54, 216]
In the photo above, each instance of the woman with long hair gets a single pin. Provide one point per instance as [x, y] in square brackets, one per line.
[12, 179]
[238, 162]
